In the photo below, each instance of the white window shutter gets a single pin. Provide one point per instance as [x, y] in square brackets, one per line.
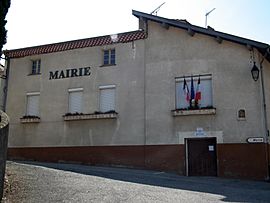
[32, 105]
[107, 99]
[75, 102]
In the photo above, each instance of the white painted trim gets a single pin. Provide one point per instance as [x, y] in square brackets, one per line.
[32, 93]
[90, 116]
[194, 112]
[191, 134]
[75, 89]
[107, 87]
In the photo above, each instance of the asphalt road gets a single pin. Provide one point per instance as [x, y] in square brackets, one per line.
[47, 182]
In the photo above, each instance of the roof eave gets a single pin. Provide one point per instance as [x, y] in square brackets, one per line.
[240, 40]
[74, 44]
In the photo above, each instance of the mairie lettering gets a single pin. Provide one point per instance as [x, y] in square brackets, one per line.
[70, 73]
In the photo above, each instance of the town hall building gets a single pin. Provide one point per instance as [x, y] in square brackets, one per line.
[169, 96]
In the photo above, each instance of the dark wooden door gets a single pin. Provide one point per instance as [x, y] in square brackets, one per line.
[202, 157]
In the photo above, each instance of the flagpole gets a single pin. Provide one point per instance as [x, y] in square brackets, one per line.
[192, 93]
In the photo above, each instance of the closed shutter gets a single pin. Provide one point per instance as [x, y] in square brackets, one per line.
[75, 101]
[32, 105]
[107, 99]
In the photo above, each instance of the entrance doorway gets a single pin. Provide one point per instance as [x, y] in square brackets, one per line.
[201, 157]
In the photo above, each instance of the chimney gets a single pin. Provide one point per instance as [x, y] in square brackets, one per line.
[142, 24]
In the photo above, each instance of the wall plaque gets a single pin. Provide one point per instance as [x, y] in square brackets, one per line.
[255, 140]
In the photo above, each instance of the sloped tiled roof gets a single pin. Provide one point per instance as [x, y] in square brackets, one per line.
[182, 24]
[76, 44]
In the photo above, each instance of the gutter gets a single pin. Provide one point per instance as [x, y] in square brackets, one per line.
[201, 30]
[267, 52]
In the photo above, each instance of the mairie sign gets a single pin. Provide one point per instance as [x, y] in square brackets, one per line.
[70, 73]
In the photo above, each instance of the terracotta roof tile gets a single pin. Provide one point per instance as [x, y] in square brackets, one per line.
[76, 44]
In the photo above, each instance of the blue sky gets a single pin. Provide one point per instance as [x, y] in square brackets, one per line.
[36, 22]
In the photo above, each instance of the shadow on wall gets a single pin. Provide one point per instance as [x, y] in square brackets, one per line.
[3, 148]
[233, 190]
[155, 157]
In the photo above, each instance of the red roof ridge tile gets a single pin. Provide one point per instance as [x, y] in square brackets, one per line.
[124, 37]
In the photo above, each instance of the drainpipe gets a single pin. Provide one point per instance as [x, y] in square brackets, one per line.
[144, 103]
[6, 85]
[265, 114]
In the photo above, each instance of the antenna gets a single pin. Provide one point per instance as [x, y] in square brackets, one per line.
[207, 15]
[157, 9]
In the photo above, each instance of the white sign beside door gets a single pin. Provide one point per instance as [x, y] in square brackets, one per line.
[210, 148]
[255, 140]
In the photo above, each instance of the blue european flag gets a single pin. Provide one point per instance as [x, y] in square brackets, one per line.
[192, 93]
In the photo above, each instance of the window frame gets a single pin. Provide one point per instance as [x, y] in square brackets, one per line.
[188, 79]
[36, 67]
[72, 90]
[109, 57]
[107, 87]
[28, 95]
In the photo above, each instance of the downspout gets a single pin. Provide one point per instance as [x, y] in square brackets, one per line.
[265, 114]
[6, 84]
[144, 95]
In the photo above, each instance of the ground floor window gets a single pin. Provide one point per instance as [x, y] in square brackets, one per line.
[194, 92]
[75, 100]
[107, 98]
[32, 108]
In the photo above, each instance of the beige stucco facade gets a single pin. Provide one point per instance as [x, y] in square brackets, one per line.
[147, 123]
[127, 75]
[173, 53]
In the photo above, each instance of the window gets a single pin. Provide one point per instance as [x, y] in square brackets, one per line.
[32, 108]
[194, 92]
[109, 57]
[36, 67]
[75, 100]
[107, 98]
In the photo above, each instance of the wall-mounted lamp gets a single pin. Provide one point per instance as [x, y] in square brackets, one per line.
[255, 72]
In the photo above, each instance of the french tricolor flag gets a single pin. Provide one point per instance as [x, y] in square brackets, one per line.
[198, 95]
[186, 90]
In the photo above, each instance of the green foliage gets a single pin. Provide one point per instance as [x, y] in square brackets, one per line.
[4, 6]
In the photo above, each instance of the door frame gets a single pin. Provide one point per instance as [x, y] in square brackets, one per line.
[186, 151]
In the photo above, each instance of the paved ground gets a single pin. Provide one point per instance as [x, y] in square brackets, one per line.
[46, 182]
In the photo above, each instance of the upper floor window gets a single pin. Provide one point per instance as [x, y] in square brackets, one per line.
[109, 57]
[107, 98]
[32, 108]
[36, 67]
[75, 100]
[194, 92]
